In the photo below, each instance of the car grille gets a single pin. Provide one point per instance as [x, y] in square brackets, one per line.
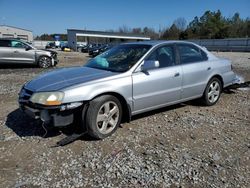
[25, 95]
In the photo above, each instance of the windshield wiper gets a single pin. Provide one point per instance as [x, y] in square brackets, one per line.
[106, 69]
[112, 70]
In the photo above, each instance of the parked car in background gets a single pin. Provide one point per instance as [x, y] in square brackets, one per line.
[128, 79]
[79, 46]
[50, 45]
[62, 43]
[84, 49]
[96, 48]
[65, 47]
[55, 44]
[89, 47]
[93, 46]
[101, 50]
[17, 51]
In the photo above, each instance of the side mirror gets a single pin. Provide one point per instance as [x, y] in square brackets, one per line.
[27, 48]
[150, 64]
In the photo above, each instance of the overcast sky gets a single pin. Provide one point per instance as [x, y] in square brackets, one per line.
[56, 16]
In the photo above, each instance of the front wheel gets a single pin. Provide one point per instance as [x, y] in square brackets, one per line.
[103, 116]
[212, 92]
[44, 62]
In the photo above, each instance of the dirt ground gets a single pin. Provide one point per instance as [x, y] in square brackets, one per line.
[185, 145]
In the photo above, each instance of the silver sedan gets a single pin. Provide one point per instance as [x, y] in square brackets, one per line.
[126, 80]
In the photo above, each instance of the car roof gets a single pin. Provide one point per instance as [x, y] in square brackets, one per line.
[8, 38]
[12, 39]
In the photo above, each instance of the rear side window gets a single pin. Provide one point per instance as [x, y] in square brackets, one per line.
[5, 43]
[190, 53]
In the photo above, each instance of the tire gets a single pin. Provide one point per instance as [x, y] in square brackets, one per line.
[100, 121]
[44, 62]
[212, 92]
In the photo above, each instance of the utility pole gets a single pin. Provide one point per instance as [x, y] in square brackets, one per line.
[159, 33]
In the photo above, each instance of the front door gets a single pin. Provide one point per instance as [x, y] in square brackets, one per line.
[157, 87]
[21, 52]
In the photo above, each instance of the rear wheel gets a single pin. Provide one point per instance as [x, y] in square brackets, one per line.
[103, 116]
[44, 62]
[212, 92]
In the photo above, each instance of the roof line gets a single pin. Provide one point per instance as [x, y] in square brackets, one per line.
[85, 32]
[113, 36]
[16, 27]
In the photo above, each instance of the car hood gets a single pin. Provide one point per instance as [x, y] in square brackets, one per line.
[43, 50]
[66, 77]
[52, 51]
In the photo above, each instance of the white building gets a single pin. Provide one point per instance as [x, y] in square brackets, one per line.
[73, 34]
[14, 32]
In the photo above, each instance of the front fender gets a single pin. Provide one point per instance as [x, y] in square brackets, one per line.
[121, 86]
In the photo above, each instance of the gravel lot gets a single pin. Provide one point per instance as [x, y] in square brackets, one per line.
[185, 145]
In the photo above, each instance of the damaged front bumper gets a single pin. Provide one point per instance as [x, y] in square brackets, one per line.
[54, 62]
[57, 116]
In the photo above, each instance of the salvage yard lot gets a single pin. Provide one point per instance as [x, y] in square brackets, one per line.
[183, 145]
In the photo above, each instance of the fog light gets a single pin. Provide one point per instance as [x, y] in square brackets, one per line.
[70, 106]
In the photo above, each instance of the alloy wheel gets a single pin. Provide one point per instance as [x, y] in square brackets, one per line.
[44, 62]
[107, 117]
[213, 92]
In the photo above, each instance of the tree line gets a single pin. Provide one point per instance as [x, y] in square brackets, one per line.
[211, 25]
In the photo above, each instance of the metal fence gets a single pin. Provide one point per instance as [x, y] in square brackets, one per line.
[234, 45]
[39, 43]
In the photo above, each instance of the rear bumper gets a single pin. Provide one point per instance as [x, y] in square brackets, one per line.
[238, 79]
[239, 82]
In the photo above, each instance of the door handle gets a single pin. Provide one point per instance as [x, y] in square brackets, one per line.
[209, 68]
[15, 51]
[176, 74]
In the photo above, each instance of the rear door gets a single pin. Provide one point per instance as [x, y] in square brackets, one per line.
[195, 69]
[157, 87]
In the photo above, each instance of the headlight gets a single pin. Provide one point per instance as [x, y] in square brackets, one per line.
[47, 98]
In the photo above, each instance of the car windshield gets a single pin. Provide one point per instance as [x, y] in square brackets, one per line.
[120, 58]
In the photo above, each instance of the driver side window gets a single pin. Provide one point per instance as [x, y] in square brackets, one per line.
[165, 55]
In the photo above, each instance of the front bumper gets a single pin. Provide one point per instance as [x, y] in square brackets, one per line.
[58, 116]
[54, 116]
[54, 62]
[54, 58]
